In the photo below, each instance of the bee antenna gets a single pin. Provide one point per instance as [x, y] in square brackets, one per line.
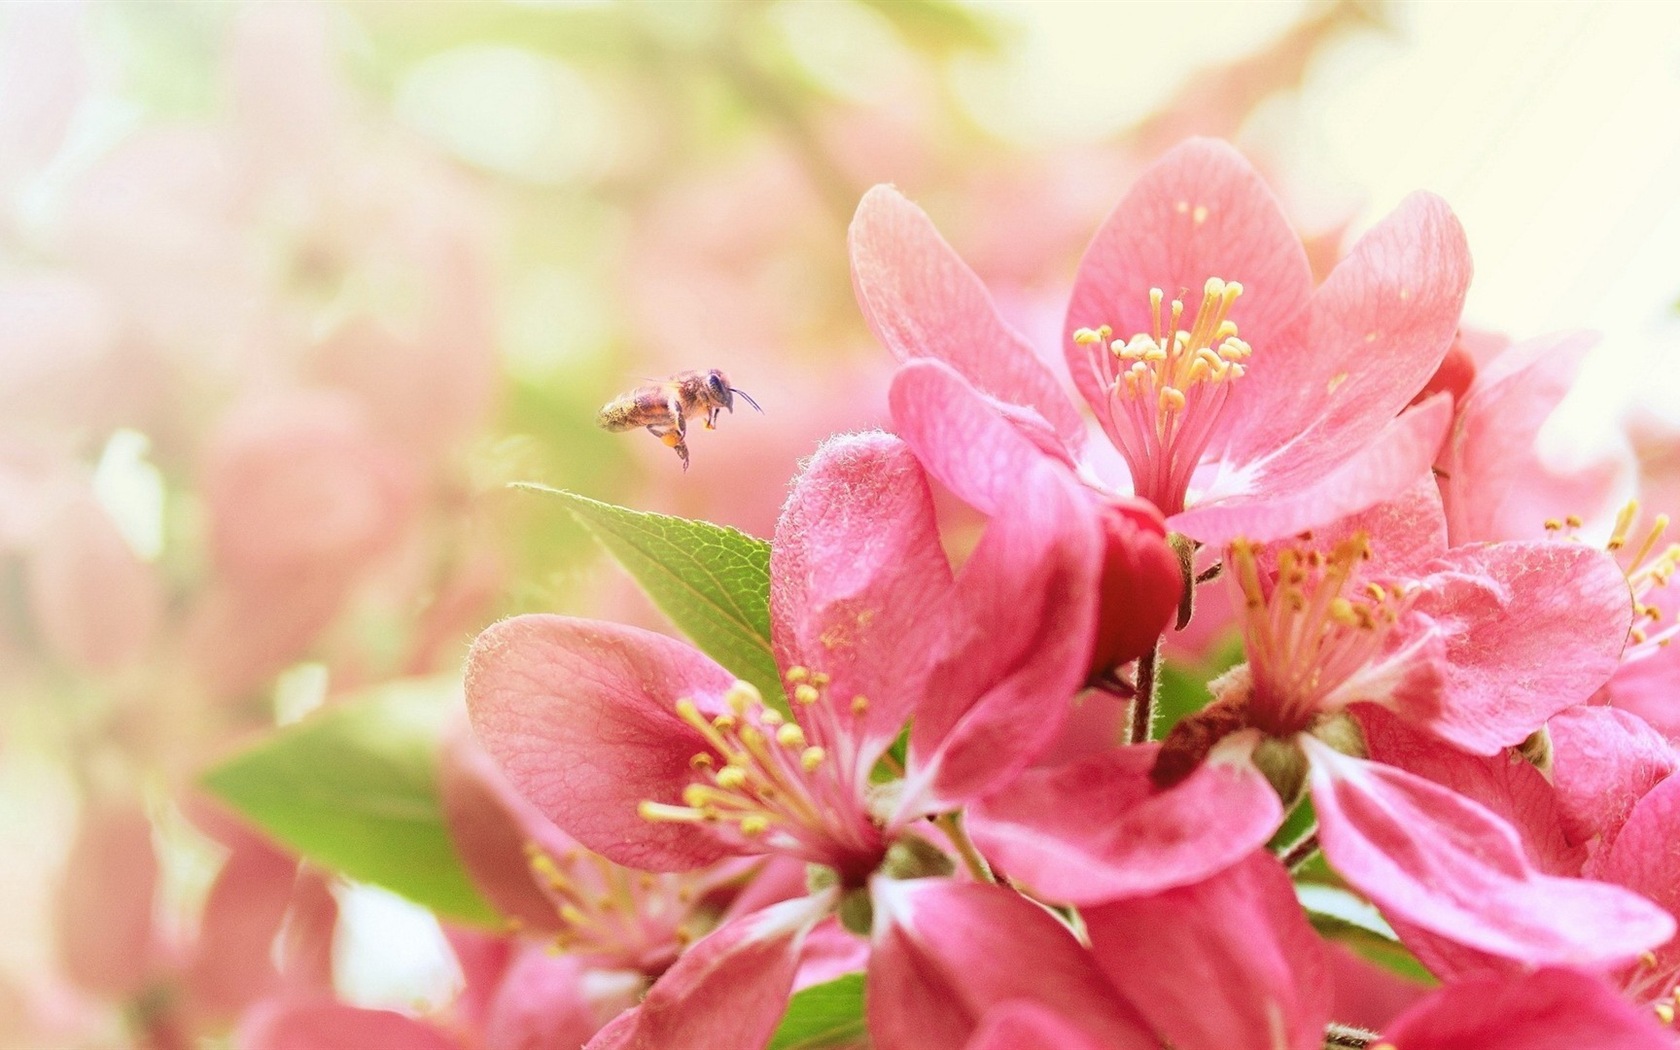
[743, 393]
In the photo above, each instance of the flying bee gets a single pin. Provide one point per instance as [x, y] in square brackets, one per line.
[664, 407]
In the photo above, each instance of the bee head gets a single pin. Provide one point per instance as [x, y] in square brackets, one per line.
[719, 391]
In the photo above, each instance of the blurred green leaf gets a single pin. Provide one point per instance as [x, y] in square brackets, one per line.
[353, 787]
[940, 26]
[1371, 946]
[1183, 685]
[712, 581]
[822, 1015]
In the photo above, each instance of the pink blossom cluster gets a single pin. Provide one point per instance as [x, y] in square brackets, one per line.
[1458, 704]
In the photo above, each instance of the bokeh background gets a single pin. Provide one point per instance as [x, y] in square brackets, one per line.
[289, 292]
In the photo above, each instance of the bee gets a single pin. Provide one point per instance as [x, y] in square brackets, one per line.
[664, 407]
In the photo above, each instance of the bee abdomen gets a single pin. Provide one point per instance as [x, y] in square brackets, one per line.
[621, 414]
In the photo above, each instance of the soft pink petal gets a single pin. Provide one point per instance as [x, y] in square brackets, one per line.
[1431, 857]
[1495, 485]
[1644, 859]
[97, 605]
[1381, 323]
[1223, 964]
[1531, 629]
[1506, 784]
[1365, 994]
[859, 585]
[491, 825]
[548, 1000]
[321, 1024]
[44, 76]
[1098, 829]
[579, 714]
[106, 940]
[831, 951]
[232, 962]
[1282, 499]
[945, 952]
[1603, 762]
[921, 300]
[1650, 687]
[730, 989]
[1201, 211]
[1022, 1024]
[1405, 533]
[1552, 1009]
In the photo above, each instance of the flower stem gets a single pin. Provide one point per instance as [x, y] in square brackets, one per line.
[1303, 850]
[1143, 700]
[951, 824]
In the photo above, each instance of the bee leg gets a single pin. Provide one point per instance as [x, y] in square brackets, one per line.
[711, 419]
[672, 437]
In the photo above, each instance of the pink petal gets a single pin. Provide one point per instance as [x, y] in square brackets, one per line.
[1200, 211]
[1381, 323]
[97, 605]
[1230, 962]
[106, 940]
[730, 989]
[1428, 856]
[922, 301]
[317, 1024]
[579, 714]
[1405, 533]
[491, 824]
[1098, 829]
[1365, 994]
[831, 951]
[1495, 485]
[1286, 498]
[859, 584]
[1531, 629]
[1551, 1009]
[945, 952]
[1510, 788]
[232, 963]
[1643, 859]
[547, 1000]
[1603, 762]
[1647, 687]
[1021, 1024]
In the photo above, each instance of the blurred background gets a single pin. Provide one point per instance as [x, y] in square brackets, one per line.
[289, 292]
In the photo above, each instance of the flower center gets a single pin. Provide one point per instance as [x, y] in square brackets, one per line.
[630, 919]
[1167, 387]
[762, 783]
[1315, 628]
[1648, 567]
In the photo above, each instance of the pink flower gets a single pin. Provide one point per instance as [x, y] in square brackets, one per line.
[652, 755]
[1477, 646]
[1295, 422]
[1537, 1011]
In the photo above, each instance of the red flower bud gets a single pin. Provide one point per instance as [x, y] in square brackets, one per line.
[1141, 583]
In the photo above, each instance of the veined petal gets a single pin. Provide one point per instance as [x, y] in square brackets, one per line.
[1381, 323]
[922, 301]
[1603, 762]
[1229, 963]
[1495, 485]
[1531, 629]
[1273, 499]
[1435, 859]
[1022, 1024]
[1643, 859]
[859, 584]
[1200, 211]
[579, 714]
[730, 989]
[1551, 1009]
[1097, 829]
[945, 952]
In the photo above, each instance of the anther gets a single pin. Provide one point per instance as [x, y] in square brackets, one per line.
[811, 758]
[805, 694]
[860, 704]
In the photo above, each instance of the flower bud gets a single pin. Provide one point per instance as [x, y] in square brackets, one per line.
[1454, 374]
[1140, 587]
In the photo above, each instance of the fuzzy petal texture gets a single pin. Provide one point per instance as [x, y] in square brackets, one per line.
[1603, 762]
[579, 714]
[922, 301]
[859, 583]
[1644, 858]
[322, 1024]
[1312, 493]
[1551, 1009]
[730, 989]
[1200, 211]
[1494, 482]
[1531, 629]
[1227, 963]
[1098, 829]
[1025, 1025]
[945, 952]
[1433, 858]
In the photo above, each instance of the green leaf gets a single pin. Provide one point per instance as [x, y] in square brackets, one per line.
[712, 581]
[822, 1015]
[1339, 916]
[353, 788]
